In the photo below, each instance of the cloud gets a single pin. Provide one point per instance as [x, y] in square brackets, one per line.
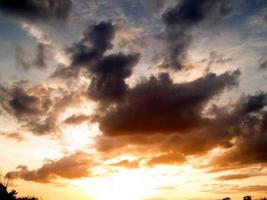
[73, 166]
[248, 150]
[248, 121]
[154, 6]
[158, 105]
[127, 164]
[108, 82]
[76, 119]
[38, 108]
[167, 159]
[107, 72]
[164, 120]
[42, 53]
[252, 188]
[88, 50]
[37, 58]
[263, 64]
[233, 177]
[216, 58]
[36, 11]
[179, 21]
[13, 136]
[25, 104]
[95, 41]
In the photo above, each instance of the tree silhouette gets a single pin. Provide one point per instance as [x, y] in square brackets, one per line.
[12, 195]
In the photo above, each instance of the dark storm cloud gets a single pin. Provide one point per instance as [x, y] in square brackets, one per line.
[96, 40]
[24, 104]
[248, 121]
[158, 105]
[73, 166]
[108, 82]
[180, 20]
[252, 103]
[87, 52]
[191, 12]
[165, 117]
[35, 10]
[107, 72]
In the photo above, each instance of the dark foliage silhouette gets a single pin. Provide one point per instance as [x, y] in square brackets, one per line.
[12, 195]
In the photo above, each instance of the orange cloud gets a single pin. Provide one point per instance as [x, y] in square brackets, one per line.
[72, 166]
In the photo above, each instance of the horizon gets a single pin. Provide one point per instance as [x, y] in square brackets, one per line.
[134, 99]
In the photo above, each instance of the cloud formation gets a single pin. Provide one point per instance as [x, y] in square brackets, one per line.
[158, 105]
[34, 10]
[181, 19]
[13, 136]
[72, 166]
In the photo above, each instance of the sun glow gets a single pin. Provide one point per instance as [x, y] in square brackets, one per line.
[139, 184]
[130, 185]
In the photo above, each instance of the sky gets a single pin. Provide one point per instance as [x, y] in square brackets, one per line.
[136, 100]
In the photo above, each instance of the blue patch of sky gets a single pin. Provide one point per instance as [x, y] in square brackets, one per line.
[11, 36]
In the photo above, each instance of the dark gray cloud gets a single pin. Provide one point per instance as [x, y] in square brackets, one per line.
[24, 104]
[35, 10]
[96, 40]
[108, 81]
[72, 166]
[252, 103]
[87, 52]
[263, 64]
[107, 72]
[180, 20]
[248, 123]
[160, 106]
[37, 109]
[167, 118]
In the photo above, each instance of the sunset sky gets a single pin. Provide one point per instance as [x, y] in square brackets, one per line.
[134, 99]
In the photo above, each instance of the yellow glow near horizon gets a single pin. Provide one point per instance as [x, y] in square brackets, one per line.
[119, 186]
[137, 184]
